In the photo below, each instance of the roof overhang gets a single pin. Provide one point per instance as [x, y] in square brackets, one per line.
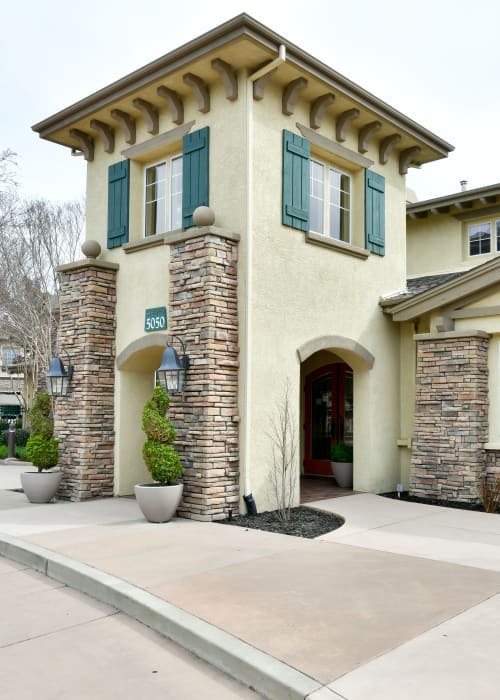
[459, 205]
[242, 42]
[477, 281]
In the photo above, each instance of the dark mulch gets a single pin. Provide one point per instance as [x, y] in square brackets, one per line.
[405, 496]
[304, 522]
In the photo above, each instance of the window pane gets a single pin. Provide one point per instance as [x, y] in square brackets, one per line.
[497, 224]
[176, 193]
[340, 205]
[316, 198]
[155, 199]
[479, 238]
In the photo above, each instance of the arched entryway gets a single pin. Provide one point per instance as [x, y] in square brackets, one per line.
[134, 384]
[332, 369]
[328, 413]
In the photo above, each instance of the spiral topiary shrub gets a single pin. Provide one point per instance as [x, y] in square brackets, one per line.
[160, 457]
[42, 448]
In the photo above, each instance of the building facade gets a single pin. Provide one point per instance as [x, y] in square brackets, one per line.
[277, 286]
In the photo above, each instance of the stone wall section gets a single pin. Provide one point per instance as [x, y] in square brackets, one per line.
[451, 417]
[492, 467]
[84, 420]
[204, 314]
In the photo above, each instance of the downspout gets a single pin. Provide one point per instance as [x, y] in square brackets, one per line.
[281, 58]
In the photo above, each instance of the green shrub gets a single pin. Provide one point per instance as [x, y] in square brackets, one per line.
[42, 448]
[42, 452]
[41, 422]
[341, 452]
[20, 453]
[21, 437]
[160, 457]
[162, 461]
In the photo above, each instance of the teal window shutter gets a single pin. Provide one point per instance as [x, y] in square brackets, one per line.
[375, 212]
[118, 203]
[295, 200]
[195, 165]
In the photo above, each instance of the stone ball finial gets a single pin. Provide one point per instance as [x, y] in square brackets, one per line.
[203, 216]
[91, 249]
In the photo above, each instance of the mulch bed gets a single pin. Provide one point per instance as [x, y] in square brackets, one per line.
[405, 496]
[304, 522]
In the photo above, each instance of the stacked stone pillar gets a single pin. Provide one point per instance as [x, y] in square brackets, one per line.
[451, 416]
[84, 420]
[204, 314]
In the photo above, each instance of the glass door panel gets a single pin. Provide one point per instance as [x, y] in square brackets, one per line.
[321, 417]
[328, 415]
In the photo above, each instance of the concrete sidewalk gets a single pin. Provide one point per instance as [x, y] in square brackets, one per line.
[385, 606]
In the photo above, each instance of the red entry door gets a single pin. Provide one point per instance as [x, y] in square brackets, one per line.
[328, 415]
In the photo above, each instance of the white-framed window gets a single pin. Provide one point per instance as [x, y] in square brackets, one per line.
[484, 237]
[330, 201]
[163, 196]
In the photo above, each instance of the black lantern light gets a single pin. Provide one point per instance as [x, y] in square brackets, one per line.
[171, 373]
[58, 378]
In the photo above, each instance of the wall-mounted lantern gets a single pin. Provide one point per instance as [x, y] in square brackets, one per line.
[59, 378]
[171, 374]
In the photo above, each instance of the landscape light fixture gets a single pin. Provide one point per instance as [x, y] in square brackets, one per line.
[171, 374]
[58, 378]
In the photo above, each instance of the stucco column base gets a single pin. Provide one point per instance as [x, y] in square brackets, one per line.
[84, 420]
[204, 313]
[451, 416]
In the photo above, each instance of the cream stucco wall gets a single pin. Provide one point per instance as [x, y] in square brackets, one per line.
[143, 276]
[438, 244]
[299, 291]
[302, 291]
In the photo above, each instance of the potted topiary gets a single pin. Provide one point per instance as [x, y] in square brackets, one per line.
[341, 455]
[159, 500]
[42, 450]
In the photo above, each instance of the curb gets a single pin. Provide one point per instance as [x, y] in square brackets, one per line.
[254, 668]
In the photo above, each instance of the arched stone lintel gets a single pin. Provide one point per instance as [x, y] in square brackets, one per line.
[85, 143]
[318, 109]
[127, 123]
[386, 146]
[106, 132]
[344, 122]
[291, 95]
[200, 91]
[174, 103]
[338, 343]
[149, 113]
[147, 342]
[228, 77]
[406, 158]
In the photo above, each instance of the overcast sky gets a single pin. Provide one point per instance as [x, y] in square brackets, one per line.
[437, 61]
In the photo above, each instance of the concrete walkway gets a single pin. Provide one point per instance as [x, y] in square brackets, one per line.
[401, 602]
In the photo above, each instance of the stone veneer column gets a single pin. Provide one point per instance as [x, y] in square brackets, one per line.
[84, 420]
[451, 415]
[204, 314]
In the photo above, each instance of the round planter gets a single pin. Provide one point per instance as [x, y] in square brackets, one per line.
[40, 487]
[158, 503]
[342, 471]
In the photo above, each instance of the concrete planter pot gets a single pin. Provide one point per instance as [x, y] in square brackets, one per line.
[40, 487]
[342, 471]
[158, 503]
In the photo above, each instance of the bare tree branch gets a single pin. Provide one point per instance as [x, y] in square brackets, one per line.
[284, 469]
[36, 236]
